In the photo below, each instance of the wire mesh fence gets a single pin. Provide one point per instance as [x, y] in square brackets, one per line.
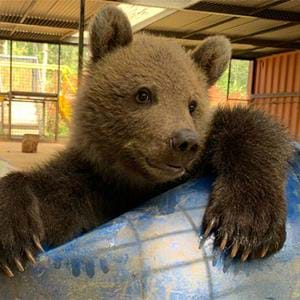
[37, 88]
[39, 69]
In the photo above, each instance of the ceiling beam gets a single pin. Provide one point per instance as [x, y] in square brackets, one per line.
[40, 39]
[268, 30]
[264, 12]
[238, 39]
[258, 9]
[245, 51]
[35, 21]
[253, 55]
[281, 45]
[267, 5]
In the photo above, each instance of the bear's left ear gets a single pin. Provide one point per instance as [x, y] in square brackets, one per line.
[213, 57]
[109, 30]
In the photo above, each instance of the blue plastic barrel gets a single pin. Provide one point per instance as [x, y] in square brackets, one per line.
[153, 252]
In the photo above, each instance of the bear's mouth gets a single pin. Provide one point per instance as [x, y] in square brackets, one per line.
[167, 168]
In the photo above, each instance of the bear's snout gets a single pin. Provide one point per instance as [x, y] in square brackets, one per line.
[184, 141]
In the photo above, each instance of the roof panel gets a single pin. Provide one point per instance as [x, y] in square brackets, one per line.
[66, 10]
[6, 7]
[291, 33]
[178, 21]
[63, 16]
[229, 24]
[292, 5]
[205, 22]
[250, 27]
[92, 6]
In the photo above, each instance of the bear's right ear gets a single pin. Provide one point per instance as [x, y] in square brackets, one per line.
[109, 30]
[213, 57]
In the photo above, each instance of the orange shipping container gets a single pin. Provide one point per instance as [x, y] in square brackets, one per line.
[276, 89]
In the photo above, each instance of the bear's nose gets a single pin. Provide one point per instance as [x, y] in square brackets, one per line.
[185, 141]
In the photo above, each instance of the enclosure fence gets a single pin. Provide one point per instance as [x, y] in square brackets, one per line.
[38, 83]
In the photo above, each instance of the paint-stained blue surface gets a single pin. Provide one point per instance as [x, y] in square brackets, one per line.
[152, 253]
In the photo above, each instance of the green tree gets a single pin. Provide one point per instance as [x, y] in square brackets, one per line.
[238, 78]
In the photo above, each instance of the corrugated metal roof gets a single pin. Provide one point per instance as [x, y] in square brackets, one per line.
[56, 9]
[230, 24]
[255, 27]
[247, 3]
[204, 22]
[248, 27]
[178, 20]
[258, 24]
[39, 19]
[293, 5]
[14, 7]
[292, 33]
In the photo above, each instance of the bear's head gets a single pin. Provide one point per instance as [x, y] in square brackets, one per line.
[142, 110]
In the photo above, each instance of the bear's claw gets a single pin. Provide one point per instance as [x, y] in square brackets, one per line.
[245, 255]
[234, 250]
[30, 256]
[224, 242]
[7, 271]
[18, 260]
[37, 243]
[209, 227]
[264, 252]
[19, 264]
[243, 242]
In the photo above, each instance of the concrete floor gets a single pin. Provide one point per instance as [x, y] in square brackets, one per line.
[11, 152]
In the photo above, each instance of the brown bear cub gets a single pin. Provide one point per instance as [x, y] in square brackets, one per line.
[141, 125]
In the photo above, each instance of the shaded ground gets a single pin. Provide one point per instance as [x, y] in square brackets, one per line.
[11, 152]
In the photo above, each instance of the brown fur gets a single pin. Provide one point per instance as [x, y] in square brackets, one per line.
[122, 152]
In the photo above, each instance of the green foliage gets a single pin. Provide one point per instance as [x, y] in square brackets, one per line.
[63, 129]
[69, 57]
[36, 50]
[238, 78]
[222, 82]
[69, 53]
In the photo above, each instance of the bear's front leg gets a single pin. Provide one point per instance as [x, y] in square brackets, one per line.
[247, 209]
[246, 218]
[21, 228]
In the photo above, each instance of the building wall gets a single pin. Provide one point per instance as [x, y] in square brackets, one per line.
[276, 89]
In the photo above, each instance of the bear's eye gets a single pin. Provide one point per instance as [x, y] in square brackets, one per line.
[143, 96]
[192, 106]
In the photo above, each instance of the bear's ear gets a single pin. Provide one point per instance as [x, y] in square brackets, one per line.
[213, 57]
[109, 30]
